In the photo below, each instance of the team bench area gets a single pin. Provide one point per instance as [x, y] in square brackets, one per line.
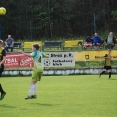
[52, 44]
[28, 45]
[56, 45]
[73, 44]
[17, 45]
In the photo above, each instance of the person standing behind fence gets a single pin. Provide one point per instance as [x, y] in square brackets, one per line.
[110, 41]
[9, 43]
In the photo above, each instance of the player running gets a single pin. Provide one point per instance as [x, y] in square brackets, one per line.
[2, 60]
[37, 69]
[107, 66]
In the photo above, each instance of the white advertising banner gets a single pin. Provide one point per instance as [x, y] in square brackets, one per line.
[59, 59]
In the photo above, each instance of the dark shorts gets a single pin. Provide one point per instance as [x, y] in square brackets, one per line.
[1, 69]
[107, 67]
[110, 46]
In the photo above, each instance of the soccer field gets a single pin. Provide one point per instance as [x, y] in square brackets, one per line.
[61, 96]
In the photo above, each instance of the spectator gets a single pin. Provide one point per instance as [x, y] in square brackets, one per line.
[110, 41]
[9, 43]
[96, 41]
[88, 42]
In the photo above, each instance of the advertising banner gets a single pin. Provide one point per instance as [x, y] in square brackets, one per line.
[98, 55]
[18, 60]
[12, 61]
[59, 59]
[94, 55]
[56, 59]
[82, 56]
[26, 61]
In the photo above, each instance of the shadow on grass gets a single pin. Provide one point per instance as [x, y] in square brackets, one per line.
[7, 106]
[113, 79]
[42, 104]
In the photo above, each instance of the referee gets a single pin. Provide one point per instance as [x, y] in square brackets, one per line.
[2, 60]
[107, 66]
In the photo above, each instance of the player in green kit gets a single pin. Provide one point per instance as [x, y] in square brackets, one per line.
[37, 69]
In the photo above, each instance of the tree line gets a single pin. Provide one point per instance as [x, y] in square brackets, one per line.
[35, 19]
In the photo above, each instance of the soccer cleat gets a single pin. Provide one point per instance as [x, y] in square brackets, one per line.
[29, 97]
[34, 96]
[3, 95]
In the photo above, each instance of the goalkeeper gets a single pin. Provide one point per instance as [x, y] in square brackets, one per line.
[107, 66]
[37, 69]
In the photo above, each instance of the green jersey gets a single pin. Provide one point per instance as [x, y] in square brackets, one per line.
[37, 57]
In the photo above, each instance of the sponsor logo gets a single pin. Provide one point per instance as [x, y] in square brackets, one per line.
[26, 61]
[47, 62]
[11, 60]
[87, 57]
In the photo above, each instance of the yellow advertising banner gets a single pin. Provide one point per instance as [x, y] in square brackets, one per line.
[94, 55]
[80, 56]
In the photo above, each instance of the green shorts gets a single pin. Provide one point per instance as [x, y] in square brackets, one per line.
[37, 73]
[36, 76]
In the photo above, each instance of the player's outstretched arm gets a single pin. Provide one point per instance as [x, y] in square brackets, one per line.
[45, 56]
[27, 54]
[106, 56]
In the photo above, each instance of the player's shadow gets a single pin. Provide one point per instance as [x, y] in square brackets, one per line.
[7, 106]
[42, 104]
[113, 79]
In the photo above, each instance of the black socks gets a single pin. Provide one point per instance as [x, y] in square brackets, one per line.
[102, 72]
[1, 89]
[109, 74]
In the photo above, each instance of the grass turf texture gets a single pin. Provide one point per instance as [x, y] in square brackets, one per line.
[61, 96]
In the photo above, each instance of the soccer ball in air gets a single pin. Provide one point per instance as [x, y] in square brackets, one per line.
[2, 11]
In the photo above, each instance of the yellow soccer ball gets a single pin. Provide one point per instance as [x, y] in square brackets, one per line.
[2, 11]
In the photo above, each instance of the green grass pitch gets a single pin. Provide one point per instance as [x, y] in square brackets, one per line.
[61, 96]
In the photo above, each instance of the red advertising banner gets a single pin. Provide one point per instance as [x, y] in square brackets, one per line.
[15, 60]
